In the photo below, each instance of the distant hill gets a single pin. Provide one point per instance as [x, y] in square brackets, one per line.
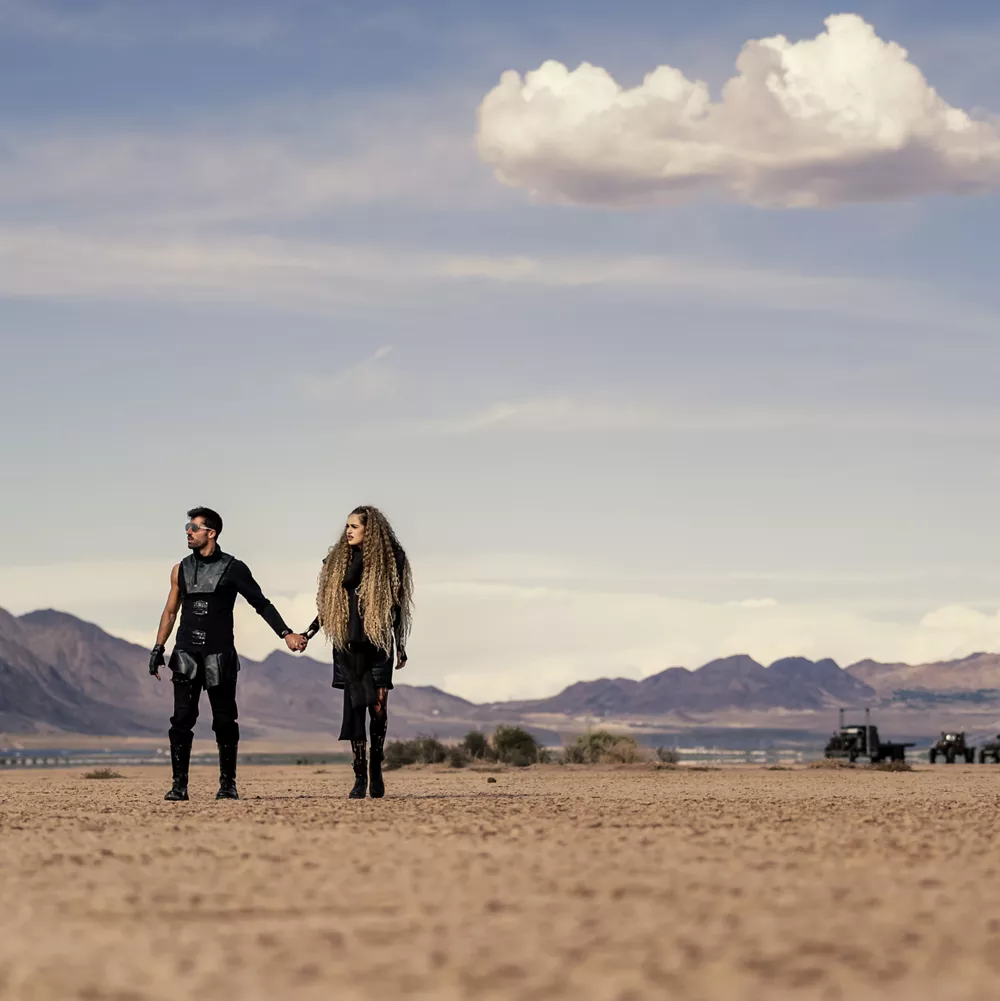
[59, 673]
[979, 671]
[732, 682]
[39, 693]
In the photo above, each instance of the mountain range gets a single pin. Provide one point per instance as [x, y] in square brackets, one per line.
[63, 675]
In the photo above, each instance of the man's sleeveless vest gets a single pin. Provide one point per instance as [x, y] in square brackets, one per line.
[206, 615]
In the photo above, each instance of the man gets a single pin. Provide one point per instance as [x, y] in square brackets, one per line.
[203, 587]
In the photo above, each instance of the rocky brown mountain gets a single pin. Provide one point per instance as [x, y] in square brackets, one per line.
[59, 673]
[37, 694]
[979, 671]
[732, 682]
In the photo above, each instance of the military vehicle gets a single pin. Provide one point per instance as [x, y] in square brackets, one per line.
[952, 746]
[853, 742]
[990, 751]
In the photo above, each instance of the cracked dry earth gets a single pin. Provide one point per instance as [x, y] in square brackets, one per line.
[551, 883]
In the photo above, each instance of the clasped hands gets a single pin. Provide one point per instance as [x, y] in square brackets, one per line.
[296, 642]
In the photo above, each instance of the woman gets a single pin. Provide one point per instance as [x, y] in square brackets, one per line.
[364, 601]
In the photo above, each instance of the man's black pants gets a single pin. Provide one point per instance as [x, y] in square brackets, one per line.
[187, 694]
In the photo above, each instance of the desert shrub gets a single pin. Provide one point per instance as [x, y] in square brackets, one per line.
[892, 766]
[514, 746]
[668, 756]
[458, 756]
[601, 747]
[398, 753]
[477, 746]
[430, 751]
[831, 763]
[104, 773]
[422, 750]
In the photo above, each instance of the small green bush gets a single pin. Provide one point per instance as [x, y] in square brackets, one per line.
[602, 748]
[668, 756]
[459, 757]
[398, 753]
[477, 746]
[423, 750]
[514, 746]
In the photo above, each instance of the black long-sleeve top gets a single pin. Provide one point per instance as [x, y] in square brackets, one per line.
[207, 615]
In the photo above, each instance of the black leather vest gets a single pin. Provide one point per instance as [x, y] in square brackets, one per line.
[207, 609]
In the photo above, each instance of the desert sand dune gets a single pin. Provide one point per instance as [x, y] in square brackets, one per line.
[549, 883]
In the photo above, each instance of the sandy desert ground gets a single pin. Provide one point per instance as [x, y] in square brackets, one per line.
[550, 883]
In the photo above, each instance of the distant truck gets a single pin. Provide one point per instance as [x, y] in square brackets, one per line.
[952, 746]
[862, 741]
[990, 751]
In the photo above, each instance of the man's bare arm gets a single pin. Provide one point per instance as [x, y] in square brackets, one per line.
[167, 620]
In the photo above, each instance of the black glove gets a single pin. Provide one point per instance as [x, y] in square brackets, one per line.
[156, 660]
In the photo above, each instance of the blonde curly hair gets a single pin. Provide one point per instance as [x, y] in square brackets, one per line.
[385, 594]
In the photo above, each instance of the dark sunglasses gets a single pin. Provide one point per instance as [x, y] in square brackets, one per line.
[192, 528]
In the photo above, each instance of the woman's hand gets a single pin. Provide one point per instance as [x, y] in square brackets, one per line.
[296, 642]
[401, 662]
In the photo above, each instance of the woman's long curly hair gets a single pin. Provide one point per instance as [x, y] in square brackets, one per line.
[385, 594]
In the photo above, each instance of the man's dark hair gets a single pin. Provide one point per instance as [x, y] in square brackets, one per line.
[211, 518]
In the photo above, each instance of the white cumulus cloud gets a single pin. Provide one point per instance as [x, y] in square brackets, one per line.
[843, 117]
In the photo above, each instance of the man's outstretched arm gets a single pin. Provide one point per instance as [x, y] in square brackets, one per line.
[167, 620]
[250, 589]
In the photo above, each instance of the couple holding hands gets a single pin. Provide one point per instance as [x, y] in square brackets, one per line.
[364, 606]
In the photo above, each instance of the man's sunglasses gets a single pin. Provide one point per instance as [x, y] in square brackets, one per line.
[192, 528]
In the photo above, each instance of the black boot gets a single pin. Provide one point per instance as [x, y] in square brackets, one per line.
[378, 728]
[360, 777]
[377, 784]
[180, 758]
[227, 772]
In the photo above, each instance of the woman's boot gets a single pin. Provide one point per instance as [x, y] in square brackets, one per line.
[378, 727]
[360, 771]
[377, 783]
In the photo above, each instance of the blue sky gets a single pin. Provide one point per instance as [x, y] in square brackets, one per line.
[252, 259]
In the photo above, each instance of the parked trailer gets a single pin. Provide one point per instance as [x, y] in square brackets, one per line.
[862, 741]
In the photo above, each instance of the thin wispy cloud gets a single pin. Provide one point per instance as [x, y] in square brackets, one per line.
[120, 23]
[256, 164]
[571, 415]
[368, 381]
[843, 117]
[320, 276]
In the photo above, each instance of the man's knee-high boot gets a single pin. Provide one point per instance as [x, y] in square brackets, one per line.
[360, 771]
[180, 759]
[227, 772]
